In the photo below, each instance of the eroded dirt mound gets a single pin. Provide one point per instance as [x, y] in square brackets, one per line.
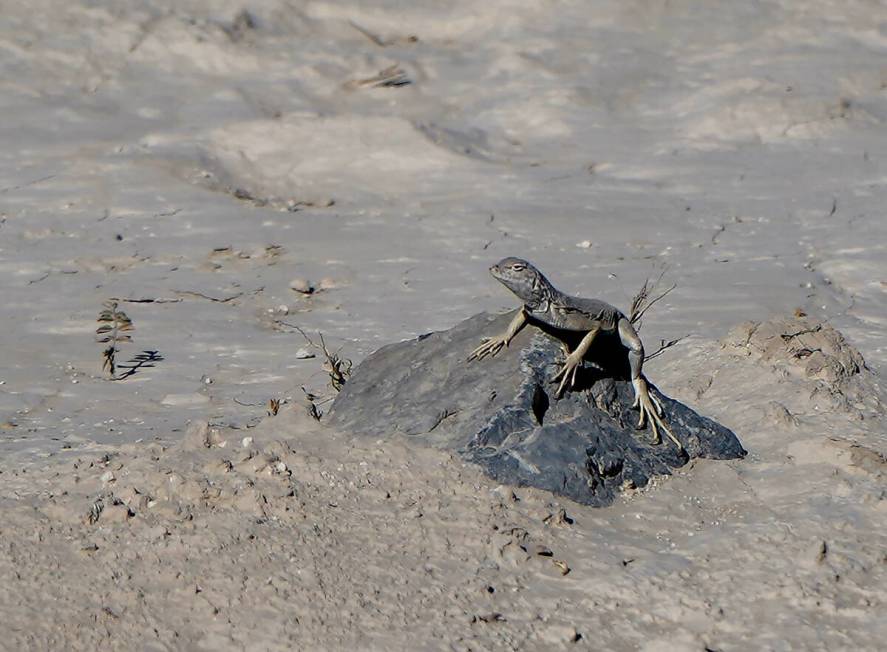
[803, 348]
[235, 540]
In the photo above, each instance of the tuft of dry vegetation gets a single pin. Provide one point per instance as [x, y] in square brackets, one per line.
[113, 326]
[311, 404]
[336, 367]
[643, 300]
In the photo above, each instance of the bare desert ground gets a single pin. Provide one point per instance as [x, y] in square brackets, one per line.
[238, 175]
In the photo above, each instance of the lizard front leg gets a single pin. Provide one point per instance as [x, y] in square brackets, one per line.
[492, 345]
[574, 361]
[647, 404]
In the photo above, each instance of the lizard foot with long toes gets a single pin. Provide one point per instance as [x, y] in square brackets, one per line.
[489, 347]
[568, 373]
[650, 408]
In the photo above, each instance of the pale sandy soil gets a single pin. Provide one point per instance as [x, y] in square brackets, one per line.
[193, 165]
[301, 538]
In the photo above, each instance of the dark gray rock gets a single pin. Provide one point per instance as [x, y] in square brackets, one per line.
[501, 412]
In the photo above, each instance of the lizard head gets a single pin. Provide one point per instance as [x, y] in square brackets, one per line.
[523, 279]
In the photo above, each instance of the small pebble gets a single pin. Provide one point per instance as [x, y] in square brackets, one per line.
[107, 477]
[561, 566]
[304, 354]
[246, 442]
[585, 244]
[302, 286]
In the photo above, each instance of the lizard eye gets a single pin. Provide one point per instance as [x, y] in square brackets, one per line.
[518, 267]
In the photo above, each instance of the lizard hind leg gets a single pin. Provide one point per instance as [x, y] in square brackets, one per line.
[647, 404]
[650, 407]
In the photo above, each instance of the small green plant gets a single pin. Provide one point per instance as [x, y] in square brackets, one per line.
[113, 326]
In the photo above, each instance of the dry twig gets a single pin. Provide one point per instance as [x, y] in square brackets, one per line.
[642, 302]
[391, 77]
[663, 345]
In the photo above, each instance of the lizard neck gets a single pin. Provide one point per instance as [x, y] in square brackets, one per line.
[541, 297]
